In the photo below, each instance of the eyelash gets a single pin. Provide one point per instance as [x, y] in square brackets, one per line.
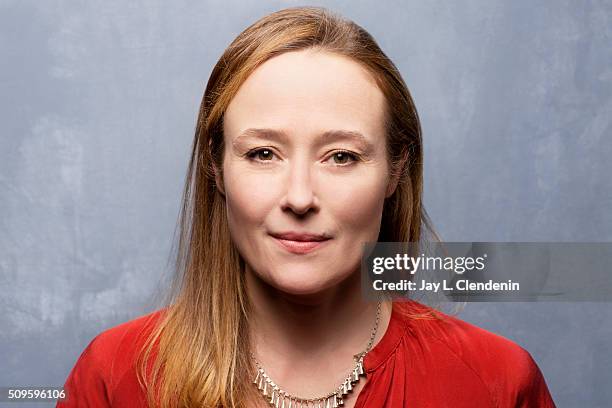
[251, 155]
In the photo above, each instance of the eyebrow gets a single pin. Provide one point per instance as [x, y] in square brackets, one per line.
[325, 137]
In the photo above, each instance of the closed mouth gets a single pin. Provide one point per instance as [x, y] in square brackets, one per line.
[300, 247]
[301, 237]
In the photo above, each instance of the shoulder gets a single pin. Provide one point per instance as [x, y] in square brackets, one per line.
[462, 338]
[126, 334]
[113, 349]
[503, 367]
[106, 359]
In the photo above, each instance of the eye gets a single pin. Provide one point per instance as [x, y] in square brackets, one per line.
[343, 157]
[264, 154]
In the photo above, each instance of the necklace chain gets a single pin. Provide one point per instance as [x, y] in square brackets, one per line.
[279, 398]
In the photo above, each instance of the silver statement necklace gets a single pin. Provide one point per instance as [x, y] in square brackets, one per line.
[279, 398]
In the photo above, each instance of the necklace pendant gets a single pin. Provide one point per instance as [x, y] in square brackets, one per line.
[261, 384]
[272, 398]
[360, 369]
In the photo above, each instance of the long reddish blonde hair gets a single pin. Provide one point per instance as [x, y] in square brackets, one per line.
[198, 353]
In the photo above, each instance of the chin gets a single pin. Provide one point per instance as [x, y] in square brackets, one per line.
[293, 287]
[304, 283]
[305, 291]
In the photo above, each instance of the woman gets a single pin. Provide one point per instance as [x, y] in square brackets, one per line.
[307, 145]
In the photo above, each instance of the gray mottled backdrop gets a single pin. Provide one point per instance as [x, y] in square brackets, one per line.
[98, 102]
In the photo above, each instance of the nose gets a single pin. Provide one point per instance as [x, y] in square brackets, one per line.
[300, 196]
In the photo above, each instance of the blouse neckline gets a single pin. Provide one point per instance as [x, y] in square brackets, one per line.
[387, 344]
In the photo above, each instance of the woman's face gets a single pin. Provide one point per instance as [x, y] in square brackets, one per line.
[305, 154]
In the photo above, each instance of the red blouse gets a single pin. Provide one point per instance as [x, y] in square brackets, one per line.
[417, 363]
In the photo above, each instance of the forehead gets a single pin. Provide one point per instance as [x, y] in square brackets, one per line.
[308, 92]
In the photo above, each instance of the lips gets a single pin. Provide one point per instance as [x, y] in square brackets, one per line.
[300, 243]
[300, 236]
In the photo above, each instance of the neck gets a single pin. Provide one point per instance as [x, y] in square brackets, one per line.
[311, 330]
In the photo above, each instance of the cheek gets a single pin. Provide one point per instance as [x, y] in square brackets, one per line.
[249, 198]
[357, 204]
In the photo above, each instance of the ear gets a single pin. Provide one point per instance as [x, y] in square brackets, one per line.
[218, 180]
[217, 171]
[391, 186]
[394, 179]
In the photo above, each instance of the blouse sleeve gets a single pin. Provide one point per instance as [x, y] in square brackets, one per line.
[531, 389]
[87, 384]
